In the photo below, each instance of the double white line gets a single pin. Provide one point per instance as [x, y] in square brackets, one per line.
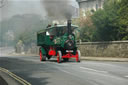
[17, 78]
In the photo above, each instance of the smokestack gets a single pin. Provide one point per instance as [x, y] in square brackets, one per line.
[69, 22]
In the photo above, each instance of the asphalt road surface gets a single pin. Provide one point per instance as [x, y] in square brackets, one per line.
[67, 73]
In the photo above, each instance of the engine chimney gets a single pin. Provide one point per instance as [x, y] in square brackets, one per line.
[69, 22]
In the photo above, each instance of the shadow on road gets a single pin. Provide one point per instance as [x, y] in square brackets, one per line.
[25, 69]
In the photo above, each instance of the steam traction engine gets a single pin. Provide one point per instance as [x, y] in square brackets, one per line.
[58, 40]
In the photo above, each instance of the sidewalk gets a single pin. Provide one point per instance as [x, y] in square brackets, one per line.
[5, 79]
[105, 59]
[114, 59]
[9, 78]
[2, 81]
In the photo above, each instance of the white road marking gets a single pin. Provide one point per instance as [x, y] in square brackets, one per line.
[65, 71]
[126, 76]
[65, 64]
[93, 70]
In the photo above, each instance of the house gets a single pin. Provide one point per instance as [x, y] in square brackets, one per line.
[86, 5]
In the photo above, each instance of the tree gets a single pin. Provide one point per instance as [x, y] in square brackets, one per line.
[123, 19]
[86, 26]
[106, 22]
[87, 30]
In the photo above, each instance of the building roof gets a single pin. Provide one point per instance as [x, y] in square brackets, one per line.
[83, 0]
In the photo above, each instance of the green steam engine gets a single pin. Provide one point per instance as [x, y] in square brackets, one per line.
[58, 40]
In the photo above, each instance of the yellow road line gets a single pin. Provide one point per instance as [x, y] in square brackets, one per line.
[22, 81]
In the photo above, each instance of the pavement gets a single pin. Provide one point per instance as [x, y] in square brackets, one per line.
[10, 51]
[2, 81]
[9, 78]
[50, 72]
[5, 79]
[113, 59]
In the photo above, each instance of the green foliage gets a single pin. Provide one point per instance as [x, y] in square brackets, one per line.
[106, 22]
[123, 19]
[86, 27]
[87, 30]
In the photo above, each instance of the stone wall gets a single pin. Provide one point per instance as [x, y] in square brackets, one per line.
[104, 49]
[95, 49]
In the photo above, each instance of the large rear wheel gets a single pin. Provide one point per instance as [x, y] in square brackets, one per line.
[59, 57]
[42, 57]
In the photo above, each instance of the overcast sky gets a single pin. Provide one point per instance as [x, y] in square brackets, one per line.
[13, 7]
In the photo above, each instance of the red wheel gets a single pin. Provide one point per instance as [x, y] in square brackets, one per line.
[59, 57]
[78, 55]
[42, 58]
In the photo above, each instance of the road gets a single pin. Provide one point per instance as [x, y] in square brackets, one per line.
[67, 73]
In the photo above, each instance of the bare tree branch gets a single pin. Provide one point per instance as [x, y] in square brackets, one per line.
[2, 3]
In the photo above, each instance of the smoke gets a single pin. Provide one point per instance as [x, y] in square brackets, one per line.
[58, 9]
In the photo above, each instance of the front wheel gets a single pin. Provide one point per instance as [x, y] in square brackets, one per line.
[78, 56]
[59, 57]
[42, 57]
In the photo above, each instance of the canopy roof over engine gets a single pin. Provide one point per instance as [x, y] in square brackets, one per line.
[57, 27]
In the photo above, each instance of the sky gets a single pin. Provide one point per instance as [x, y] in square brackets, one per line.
[14, 7]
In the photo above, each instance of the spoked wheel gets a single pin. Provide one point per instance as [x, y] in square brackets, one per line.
[78, 56]
[66, 59]
[59, 57]
[42, 57]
